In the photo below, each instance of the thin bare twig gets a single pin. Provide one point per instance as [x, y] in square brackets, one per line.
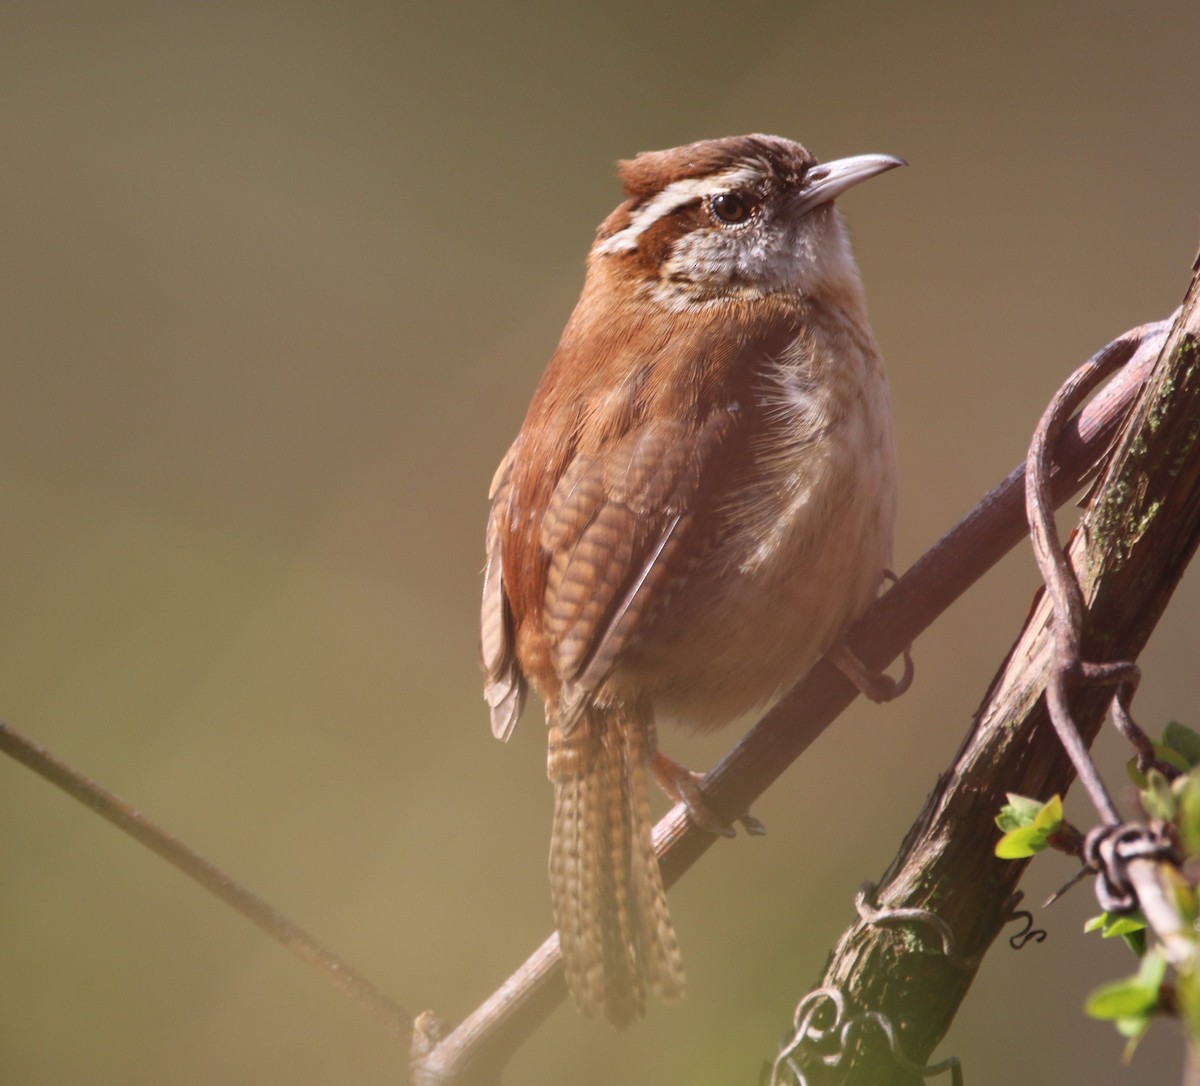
[212, 878]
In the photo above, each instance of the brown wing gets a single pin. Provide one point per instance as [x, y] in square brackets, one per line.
[619, 534]
[504, 685]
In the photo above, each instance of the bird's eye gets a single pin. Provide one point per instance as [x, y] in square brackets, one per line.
[730, 208]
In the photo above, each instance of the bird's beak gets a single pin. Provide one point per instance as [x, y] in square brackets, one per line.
[826, 180]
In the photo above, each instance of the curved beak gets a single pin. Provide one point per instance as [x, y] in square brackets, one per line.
[826, 180]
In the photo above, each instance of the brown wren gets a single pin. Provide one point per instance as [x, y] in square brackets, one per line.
[699, 503]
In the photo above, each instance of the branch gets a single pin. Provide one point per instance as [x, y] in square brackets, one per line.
[259, 912]
[477, 1049]
[1130, 548]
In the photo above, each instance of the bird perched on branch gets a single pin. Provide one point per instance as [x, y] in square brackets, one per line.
[699, 503]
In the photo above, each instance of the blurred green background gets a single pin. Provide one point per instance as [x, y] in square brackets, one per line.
[278, 281]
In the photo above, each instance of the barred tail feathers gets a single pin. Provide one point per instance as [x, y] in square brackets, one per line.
[614, 928]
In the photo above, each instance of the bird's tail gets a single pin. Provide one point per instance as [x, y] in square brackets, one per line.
[615, 931]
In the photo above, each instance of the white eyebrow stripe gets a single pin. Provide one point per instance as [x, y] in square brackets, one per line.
[674, 196]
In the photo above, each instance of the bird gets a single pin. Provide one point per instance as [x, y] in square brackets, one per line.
[700, 501]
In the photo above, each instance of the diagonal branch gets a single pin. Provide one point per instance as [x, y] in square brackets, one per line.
[259, 912]
[475, 1051]
[1140, 530]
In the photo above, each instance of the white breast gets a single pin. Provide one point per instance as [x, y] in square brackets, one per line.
[809, 539]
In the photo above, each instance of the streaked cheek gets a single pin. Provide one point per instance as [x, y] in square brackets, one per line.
[704, 256]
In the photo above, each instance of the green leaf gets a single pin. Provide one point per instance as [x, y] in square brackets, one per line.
[1183, 895]
[1021, 843]
[1133, 1028]
[1179, 737]
[1163, 753]
[1136, 941]
[1122, 999]
[1133, 996]
[1028, 825]
[1187, 991]
[1189, 811]
[1124, 925]
[1152, 971]
[1020, 811]
[1130, 1003]
[1050, 817]
[1158, 800]
[1131, 927]
[1114, 924]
